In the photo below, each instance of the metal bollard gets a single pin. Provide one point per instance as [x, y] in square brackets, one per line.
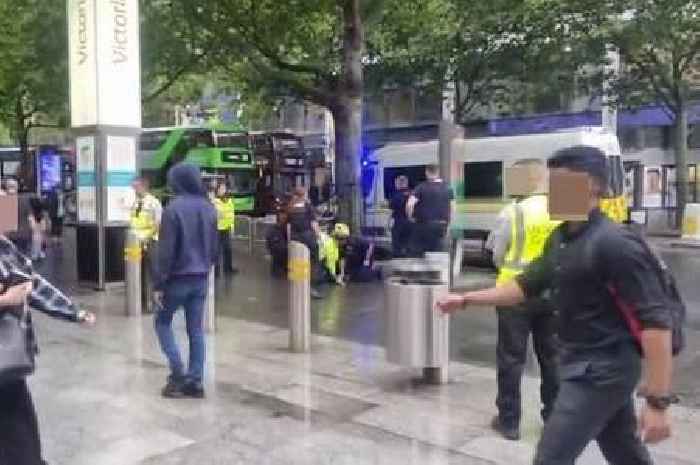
[210, 307]
[299, 265]
[132, 257]
[251, 236]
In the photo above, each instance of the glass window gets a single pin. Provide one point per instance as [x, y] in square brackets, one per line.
[483, 179]
[656, 137]
[230, 139]
[694, 137]
[153, 140]
[630, 139]
[241, 182]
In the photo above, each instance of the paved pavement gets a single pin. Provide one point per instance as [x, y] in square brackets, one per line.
[97, 391]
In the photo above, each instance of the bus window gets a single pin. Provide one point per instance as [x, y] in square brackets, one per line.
[231, 139]
[241, 181]
[415, 175]
[199, 138]
[153, 140]
[483, 179]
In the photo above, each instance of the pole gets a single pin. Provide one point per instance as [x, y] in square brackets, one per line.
[210, 307]
[132, 257]
[299, 298]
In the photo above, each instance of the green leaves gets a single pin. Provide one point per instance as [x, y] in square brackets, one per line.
[33, 64]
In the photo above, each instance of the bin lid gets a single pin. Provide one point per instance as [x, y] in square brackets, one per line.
[416, 271]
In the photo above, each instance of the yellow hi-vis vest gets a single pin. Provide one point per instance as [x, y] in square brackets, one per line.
[328, 252]
[530, 229]
[615, 208]
[143, 222]
[226, 212]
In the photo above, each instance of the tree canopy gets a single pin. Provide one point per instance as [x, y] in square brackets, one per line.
[33, 65]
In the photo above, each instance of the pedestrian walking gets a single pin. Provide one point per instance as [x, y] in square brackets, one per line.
[22, 238]
[20, 287]
[517, 240]
[39, 225]
[57, 212]
[187, 250]
[303, 227]
[401, 229]
[430, 206]
[613, 309]
[226, 214]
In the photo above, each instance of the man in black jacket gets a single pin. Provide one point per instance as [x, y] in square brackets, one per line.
[187, 251]
[590, 267]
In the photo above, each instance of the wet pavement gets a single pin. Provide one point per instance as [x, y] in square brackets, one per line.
[97, 390]
[356, 312]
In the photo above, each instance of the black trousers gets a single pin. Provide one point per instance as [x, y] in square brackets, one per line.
[428, 237]
[226, 251]
[515, 325]
[595, 403]
[401, 239]
[19, 429]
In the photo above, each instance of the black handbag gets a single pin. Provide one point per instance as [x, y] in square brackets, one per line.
[17, 347]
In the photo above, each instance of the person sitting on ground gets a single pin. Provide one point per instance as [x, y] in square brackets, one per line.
[356, 257]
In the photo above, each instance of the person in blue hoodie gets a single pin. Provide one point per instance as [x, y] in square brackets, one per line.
[187, 250]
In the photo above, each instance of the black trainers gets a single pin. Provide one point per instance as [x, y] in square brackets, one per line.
[193, 390]
[174, 388]
[512, 433]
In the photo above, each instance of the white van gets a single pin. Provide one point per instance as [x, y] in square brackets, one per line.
[481, 163]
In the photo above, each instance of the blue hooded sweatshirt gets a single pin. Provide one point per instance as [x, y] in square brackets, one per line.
[188, 239]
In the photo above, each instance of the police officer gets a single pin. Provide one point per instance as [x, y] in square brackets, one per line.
[226, 213]
[585, 264]
[302, 226]
[401, 229]
[517, 240]
[430, 207]
[146, 213]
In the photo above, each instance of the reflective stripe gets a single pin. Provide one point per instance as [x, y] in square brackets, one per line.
[530, 228]
[518, 244]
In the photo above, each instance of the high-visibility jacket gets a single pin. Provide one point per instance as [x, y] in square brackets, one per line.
[145, 217]
[530, 229]
[615, 208]
[328, 252]
[226, 211]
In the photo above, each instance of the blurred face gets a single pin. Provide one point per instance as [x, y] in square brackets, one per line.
[139, 187]
[572, 194]
[221, 190]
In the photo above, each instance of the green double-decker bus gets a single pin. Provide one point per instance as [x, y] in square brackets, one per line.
[222, 152]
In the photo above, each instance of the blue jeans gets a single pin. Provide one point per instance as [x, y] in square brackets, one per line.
[191, 294]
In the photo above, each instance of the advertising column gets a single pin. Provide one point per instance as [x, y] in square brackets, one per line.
[106, 119]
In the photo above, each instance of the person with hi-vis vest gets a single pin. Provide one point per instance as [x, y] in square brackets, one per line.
[146, 213]
[226, 213]
[519, 239]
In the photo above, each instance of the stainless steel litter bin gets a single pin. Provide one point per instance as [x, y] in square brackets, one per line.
[417, 335]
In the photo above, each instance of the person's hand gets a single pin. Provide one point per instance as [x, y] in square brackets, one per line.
[451, 303]
[17, 295]
[87, 318]
[654, 425]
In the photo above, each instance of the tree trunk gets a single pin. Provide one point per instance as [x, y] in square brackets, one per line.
[347, 113]
[348, 142]
[681, 159]
[21, 128]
